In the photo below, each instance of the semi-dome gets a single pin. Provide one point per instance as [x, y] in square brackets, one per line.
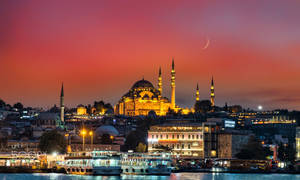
[107, 129]
[142, 84]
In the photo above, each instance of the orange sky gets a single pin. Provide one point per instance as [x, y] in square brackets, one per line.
[100, 48]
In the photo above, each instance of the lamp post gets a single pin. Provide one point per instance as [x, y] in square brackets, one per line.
[83, 133]
[92, 138]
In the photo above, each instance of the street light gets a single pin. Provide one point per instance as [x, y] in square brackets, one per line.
[92, 137]
[83, 133]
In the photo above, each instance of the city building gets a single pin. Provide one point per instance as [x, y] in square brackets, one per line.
[81, 110]
[298, 143]
[184, 139]
[230, 143]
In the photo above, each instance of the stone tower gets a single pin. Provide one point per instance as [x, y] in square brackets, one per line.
[173, 85]
[62, 105]
[160, 81]
[212, 93]
[197, 93]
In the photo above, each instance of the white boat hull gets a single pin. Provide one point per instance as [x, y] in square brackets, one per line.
[140, 170]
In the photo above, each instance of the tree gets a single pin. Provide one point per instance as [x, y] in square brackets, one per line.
[202, 106]
[236, 108]
[106, 139]
[18, 106]
[141, 147]
[53, 141]
[134, 138]
[2, 104]
[253, 150]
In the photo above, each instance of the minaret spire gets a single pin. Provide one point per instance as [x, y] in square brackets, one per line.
[212, 92]
[159, 81]
[173, 85]
[197, 93]
[62, 104]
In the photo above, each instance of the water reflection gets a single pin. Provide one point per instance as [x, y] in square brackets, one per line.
[176, 176]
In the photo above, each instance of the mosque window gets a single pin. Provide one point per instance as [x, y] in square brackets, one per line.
[167, 137]
[177, 136]
[182, 136]
[172, 136]
[193, 136]
[182, 146]
[161, 136]
[197, 136]
[189, 136]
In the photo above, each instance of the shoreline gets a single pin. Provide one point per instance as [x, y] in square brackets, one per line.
[50, 171]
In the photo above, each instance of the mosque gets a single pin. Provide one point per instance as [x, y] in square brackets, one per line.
[143, 97]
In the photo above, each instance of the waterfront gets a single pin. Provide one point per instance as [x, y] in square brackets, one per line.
[174, 176]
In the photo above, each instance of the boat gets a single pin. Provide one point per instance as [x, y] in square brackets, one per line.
[93, 163]
[79, 163]
[106, 163]
[146, 164]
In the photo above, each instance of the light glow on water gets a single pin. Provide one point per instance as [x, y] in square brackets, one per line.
[174, 176]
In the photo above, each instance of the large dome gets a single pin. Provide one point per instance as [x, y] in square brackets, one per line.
[142, 84]
[107, 129]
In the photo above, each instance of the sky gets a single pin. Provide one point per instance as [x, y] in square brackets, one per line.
[98, 49]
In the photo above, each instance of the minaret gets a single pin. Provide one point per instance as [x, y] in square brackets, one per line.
[173, 85]
[212, 93]
[160, 81]
[62, 105]
[197, 93]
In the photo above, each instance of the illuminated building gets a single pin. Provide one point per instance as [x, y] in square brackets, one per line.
[81, 110]
[143, 97]
[184, 139]
[298, 144]
[212, 93]
[62, 105]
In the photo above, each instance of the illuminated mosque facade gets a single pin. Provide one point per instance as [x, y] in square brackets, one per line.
[143, 97]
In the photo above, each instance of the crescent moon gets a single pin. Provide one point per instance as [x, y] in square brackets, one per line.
[206, 45]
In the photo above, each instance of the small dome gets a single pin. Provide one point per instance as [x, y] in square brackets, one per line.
[107, 129]
[142, 84]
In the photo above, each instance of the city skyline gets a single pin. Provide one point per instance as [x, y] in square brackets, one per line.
[99, 50]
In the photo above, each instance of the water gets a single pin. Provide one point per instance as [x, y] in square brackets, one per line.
[176, 176]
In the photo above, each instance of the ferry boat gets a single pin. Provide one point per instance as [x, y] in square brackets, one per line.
[79, 163]
[106, 163]
[146, 163]
[93, 163]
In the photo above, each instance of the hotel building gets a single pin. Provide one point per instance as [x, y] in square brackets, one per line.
[185, 139]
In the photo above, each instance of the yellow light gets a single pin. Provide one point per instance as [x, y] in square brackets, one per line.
[111, 137]
[91, 133]
[83, 132]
